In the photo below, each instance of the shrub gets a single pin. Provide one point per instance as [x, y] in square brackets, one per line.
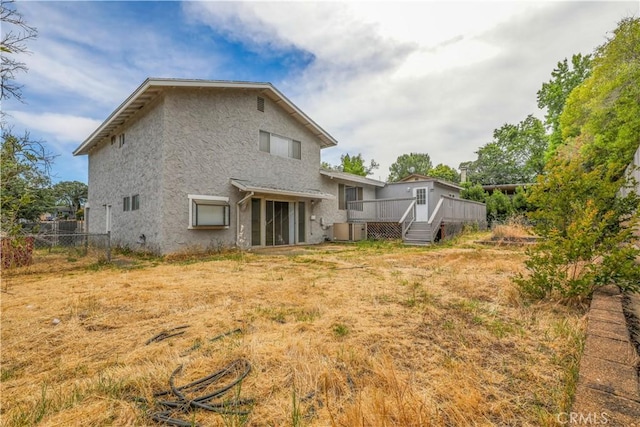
[16, 252]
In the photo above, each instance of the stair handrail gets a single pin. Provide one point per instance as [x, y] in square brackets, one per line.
[436, 218]
[410, 210]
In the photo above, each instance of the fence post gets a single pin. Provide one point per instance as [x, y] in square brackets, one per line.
[108, 246]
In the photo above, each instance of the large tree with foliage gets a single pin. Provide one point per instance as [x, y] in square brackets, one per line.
[352, 164]
[356, 165]
[445, 172]
[554, 93]
[585, 223]
[24, 180]
[72, 194]
[516, 154]
[24, 168]
[407, 164]
[475, 192]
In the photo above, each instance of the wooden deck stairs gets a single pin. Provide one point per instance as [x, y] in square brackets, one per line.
[418, 234]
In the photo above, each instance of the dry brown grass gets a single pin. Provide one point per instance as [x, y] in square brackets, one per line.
[344, 335]
[514, 229]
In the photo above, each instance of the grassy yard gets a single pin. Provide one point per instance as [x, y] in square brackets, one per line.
[369, 334]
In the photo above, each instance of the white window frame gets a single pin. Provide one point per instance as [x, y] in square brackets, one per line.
[196, 199]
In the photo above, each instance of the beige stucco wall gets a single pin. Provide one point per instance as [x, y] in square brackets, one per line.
[136, 168]
[194, 141]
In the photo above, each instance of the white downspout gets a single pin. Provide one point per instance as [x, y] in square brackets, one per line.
[244, 199]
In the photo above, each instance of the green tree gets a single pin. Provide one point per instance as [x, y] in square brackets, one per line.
[603, 114]
[356, 165]
[72, 194]
[445, 172]
[407, 164]
[328, 166]
[475, 192]
[585, 223]
[499, 207]
[24, 180]
[516, 154]
[520, 200]
[554, 93]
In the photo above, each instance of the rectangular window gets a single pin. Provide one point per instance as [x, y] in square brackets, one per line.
[126, 204]
[135, 202]
[260, 104]
[209, 212]
[280, 146]
[121, 140]
[264, 142]
[295, 148]
[421, 196]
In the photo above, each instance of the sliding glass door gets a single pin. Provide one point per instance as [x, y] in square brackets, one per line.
[283, 222]
[277, 223]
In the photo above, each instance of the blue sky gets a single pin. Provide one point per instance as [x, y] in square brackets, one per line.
[384, 78]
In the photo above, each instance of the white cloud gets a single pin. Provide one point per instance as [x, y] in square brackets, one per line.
[98, 59]
[385, 78]
[61, 127]
[438, 77]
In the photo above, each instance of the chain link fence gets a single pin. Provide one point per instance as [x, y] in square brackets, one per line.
[29, 247]
[79, 244]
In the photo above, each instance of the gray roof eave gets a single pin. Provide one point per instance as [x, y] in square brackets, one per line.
[152, 87]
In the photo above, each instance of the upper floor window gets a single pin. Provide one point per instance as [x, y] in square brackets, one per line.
[280, 145]
[121, 140]
[126, 204]
[135, 202]
[260, 104]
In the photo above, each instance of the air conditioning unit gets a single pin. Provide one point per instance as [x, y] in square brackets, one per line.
[346, 231]
[341, 231]
[358, 231]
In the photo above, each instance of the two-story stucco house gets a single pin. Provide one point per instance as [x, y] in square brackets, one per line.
[189, 164]
[186, 165]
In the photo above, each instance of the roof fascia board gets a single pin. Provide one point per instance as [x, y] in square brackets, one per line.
[345, 177]
[265, 190]
[130, 100]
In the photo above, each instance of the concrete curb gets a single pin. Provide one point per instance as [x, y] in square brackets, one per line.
[608, 390]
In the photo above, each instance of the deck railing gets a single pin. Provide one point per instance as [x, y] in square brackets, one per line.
[399, 210]
[407, 219]
[456, 210]
[381, 210]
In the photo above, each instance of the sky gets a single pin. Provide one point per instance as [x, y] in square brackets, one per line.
[383, 78]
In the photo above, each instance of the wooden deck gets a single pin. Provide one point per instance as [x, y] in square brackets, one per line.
[402, 212]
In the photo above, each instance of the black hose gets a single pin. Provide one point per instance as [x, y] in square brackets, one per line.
[166, 334]
[234, 372]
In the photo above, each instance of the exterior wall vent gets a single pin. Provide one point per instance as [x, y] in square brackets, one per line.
[260, 104]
